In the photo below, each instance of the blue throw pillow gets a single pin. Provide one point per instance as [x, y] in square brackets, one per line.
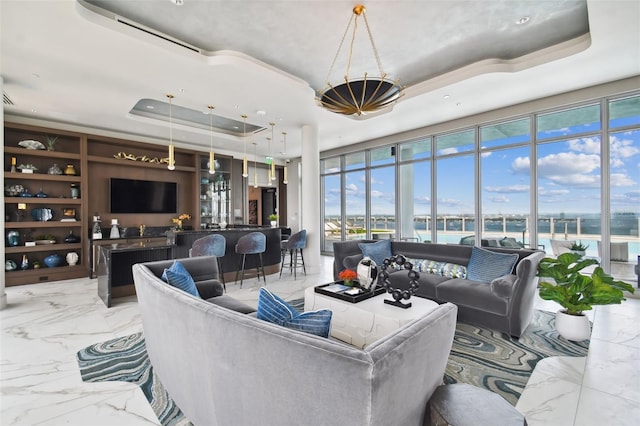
[273, 309]
[485, 266]
[178, 276]
[377, 251]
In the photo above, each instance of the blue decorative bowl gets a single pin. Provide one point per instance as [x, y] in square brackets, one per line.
[54, 260]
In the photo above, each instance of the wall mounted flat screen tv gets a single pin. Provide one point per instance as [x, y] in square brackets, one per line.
[142, 196]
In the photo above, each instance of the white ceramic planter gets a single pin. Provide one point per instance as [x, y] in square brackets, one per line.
[573, 327]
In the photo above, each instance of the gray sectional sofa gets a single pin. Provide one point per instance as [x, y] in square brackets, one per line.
[505, 304]
[223, 367]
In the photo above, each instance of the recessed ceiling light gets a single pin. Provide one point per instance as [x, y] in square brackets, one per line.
[177, 2]
[523, 20]
[150, 107]
[261, 113]
[446, 96]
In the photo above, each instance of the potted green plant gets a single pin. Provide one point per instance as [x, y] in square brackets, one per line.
[579, 248]
[274, 220]
[577, 291]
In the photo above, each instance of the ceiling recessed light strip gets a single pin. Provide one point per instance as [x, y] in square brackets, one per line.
[212, 163]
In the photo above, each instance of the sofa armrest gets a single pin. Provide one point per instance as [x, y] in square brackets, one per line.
[210, 288]
[503, 286]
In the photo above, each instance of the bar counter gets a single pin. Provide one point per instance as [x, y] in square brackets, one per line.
[231, 262]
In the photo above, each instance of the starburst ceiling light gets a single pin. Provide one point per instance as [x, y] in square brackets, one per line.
[362, 95]
[212, 163]
[172, 157]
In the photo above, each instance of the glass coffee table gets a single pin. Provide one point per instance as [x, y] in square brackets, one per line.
[360, 324]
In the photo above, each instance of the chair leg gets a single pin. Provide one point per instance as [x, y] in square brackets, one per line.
[282, 264]
[295, 264]
[264, 277]
[221, 272]
[303, 267]
[244, 257]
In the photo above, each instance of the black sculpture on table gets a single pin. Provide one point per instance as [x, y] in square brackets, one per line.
[396, 293]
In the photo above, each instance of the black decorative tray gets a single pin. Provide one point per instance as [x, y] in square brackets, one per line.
[325, 289]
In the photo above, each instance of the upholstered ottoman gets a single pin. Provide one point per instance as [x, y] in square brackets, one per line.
[460, 404]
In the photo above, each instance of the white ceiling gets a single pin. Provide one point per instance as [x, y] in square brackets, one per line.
[65, 61]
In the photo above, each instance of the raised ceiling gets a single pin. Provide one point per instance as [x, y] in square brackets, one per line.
[88, 63]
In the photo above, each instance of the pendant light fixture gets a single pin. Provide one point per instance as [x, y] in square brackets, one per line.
[273, 163]
[361, 95]
[212, 158]
[245, 166]
[172, 157]
[255, 165]
[285, 179]
[269, 161]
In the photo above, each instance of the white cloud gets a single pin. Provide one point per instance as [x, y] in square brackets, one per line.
[622, 148]
[552, 192]
[377, 194]
[567, 163]
[508, 189]
[351, 187]
[587, 145]
[500, 199]
[521, 165]
[620, 179]
[446, 151]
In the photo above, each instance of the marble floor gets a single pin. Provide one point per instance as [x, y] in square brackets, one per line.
[44, 325]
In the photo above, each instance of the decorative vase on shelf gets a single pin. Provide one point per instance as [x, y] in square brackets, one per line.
[72, 258]
[25, 263]
[13, 238]
[54, 170]
[54, 260]
[10, 265]
[70, 170]
[71, 238]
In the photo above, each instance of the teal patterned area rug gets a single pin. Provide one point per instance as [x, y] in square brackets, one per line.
[480, 357]
[502, 364]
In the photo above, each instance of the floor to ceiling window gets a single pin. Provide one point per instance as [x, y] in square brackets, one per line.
[382, 181]
[414, 191]
[455, 177]
[505, 183]
[624, 177]
[542, 179]
[569, 184]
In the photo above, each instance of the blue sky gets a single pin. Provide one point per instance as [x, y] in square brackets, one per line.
[569, 175]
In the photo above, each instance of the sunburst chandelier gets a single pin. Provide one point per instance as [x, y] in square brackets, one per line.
[362, 95]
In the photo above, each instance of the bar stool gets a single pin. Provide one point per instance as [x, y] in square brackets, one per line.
[211, 245]
[293, 245]
[252, 243]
